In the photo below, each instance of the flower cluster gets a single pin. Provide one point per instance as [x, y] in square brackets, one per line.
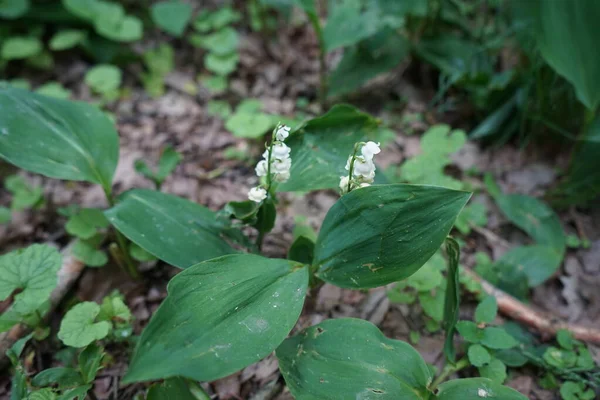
[361, 167]
[275, 166]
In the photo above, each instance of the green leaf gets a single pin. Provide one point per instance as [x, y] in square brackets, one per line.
[321, 147]
[433, 303]
[495, 370]
[218, 108]
[478, 355]
[171, 16]
[350, 358]
[87, 251]
[265, 217]
[32, 270]
[534, 217]
[251, 125]
[469, 331]
[375, 55]
[14, 352]
[170, 389]
[564, 34]
[113, 308]
[537, 263]
[302, 250]
[54, 89]
[67, 39]
[221, 64]
[5, 215]
[13, 9]
[169, 159]
[207, 20]
[89, 362]
[125, 29]
[18, 390]
[103, 78]
[497, 338]
[476, 388]
[452, 297]
[474, 214]
[560, 358]
[20, 47]
[565, 339]
[381, 234]
[223, 42]
[219, 317]
[348, 23]
[42, 394]
[78, 329]
[67, 140]
[63, 377]
[576, 391]
[140, 254]
[173, 229]
[486, 310]
[78, 393]
[86, 222]
[215, 84]
[24, 195]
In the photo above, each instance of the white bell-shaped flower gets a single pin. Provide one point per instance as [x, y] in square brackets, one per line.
[262, 168]
[280, 151]
[257, 194]
[369, 149]
[281, 165]
[282, 177]
[364, 168]
[344, 180]
[282, 133]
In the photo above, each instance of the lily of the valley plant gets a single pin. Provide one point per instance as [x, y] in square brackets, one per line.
[230, 306]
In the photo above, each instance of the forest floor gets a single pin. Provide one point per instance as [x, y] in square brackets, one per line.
[278, 72]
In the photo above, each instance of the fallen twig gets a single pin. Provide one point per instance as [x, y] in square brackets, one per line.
[67, 275]
[544, 323]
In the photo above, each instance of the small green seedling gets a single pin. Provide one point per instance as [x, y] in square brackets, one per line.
[169, 159]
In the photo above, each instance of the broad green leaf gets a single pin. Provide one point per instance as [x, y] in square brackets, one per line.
[170, 389]
[20, 47]
[61, 376]
[429, 276]
[113, 308]
[321, 147]
[12, 9]
[66, 39]
[42, 394]
[66, 139]
[86, 223]
[381, 234]
[160, 60]
[129, 29]
[18, 390]
[470, 331]
[32, 270]
[54, 89]
[302, 250]
[497, 338]
[564, 33]
[171, 16]
[88, 252]
[348, 23]
[452, 297]
[219, 317]
[78, 329]
[173, 229]
[223, 42]
[565, 339]
[478, 355]
[207, 20]
[250, 125]
[537, 263]
[495, 370]
[375, 55]
[14, 352]
[23, 194]
[537, 219]
[476, 388]
[221, 64]
[89, 362]
[169, 159]
[78, 393]
[486, 310]
[103, 78]
[350, 358]
[82, 8]
[571, 390]
[433, 303]
[140, 254]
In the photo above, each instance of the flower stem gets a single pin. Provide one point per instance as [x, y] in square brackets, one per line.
[122, 241]
[356, 146]
[448, 370]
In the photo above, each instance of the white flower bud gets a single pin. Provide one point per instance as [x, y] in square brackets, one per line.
[369, 149]
[280, 151]
[364, 184]
[257, 194]
[282, 177]
[261, 168]
[281, 165]
[282, 133]
[344, 180]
